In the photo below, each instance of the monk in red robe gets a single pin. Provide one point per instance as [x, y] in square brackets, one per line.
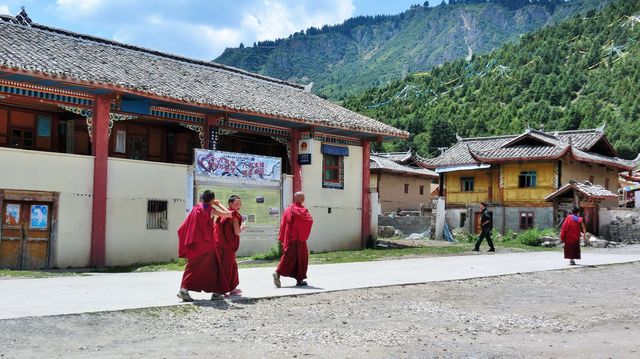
[196, 243]
[228, 231]
[570, 235]
[295, 228]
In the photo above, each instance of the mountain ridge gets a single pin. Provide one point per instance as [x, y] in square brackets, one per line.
[369, 51]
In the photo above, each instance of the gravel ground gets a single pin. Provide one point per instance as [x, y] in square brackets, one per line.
[582, 312]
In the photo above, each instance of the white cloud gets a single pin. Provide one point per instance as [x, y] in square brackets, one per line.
[179, 37]
[4, 10]
[197, 28]
[271, 19]
[78, 7]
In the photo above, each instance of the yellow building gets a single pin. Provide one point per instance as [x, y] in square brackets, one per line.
[515, 175]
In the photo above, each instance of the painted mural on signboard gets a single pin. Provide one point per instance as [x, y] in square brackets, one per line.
[261, 206]
[237, 165]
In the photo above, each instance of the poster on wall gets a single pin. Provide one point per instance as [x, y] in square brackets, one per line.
[260, 206]
[12, 214]
[39, 216]
[238, 166]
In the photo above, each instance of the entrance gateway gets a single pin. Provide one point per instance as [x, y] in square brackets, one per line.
[256, 179]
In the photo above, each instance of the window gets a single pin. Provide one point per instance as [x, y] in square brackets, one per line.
[527, 179]
[157, 215]
[463, 219]
[421, 190]
[406, 188]
[606, 183]
[21, 138]
[121, 142]
[526, 220]
[332, 171]
[44, 126]
[466, 184]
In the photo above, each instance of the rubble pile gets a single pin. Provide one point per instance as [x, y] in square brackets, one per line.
[624, 229]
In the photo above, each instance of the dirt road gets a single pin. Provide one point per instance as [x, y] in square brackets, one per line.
[579, 313]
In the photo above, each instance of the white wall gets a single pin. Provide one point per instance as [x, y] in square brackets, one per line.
[130, 185]
[69, 175]
[342, 228]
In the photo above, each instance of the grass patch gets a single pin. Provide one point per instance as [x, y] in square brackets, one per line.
[8, 273]
[174, 265]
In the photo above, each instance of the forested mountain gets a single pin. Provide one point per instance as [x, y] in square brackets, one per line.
[578, 74]
[370, 51]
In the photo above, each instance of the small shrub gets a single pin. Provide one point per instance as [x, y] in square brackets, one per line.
[530, 237]
[273, 253]
[507, 236]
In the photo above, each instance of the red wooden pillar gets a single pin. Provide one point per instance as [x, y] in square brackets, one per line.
[295, 166]
[100, 164]
[366, 203]
[211, 121]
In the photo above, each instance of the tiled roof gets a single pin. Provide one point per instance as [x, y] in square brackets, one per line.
[458, 154]
[396, 156]
[520, 153]
[530, 145]
[387, 165]
[60, 54]
[586, 188]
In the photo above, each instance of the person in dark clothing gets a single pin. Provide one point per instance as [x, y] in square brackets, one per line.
[486, 225]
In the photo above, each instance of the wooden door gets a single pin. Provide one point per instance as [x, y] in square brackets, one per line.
[591, 220]
[25, 235]
[477, 222]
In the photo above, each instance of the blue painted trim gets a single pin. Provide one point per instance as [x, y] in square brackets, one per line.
[68, 99]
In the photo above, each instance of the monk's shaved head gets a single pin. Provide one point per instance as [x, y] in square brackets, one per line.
[298, 197]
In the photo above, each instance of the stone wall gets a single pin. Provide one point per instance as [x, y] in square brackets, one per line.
[406, 224]
[624, 228]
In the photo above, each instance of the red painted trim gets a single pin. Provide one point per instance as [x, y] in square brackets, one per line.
[366, 203]
[123, 90]
[295, 166]
[100, 164]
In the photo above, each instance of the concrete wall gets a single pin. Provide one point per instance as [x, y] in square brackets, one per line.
[392, 196]
[69, 175]
[406, 224]
[453, 219]
[542, 218]
[130, 185]
[340, 229]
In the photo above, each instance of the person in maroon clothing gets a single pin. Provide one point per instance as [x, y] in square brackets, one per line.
[570, 235]
[196, 243]
[295, 228]
[228, 231]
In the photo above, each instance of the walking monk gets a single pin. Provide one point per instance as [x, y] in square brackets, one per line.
[196, 243]
[570, 235]
[228, 231]
[294, 231]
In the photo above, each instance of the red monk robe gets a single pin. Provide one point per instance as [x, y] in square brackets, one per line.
[196, 243]
[570, 236]
[295, 228]
[228, 242]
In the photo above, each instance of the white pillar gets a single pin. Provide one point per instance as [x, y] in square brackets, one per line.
[440, 214]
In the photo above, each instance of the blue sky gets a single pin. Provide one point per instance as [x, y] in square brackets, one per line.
[196, 28]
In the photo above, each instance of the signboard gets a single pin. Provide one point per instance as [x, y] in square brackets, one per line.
[260, 206]
[304, 159]
[240, 166]
[305, 146]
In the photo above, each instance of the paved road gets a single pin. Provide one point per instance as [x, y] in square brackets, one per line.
[107, 292]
